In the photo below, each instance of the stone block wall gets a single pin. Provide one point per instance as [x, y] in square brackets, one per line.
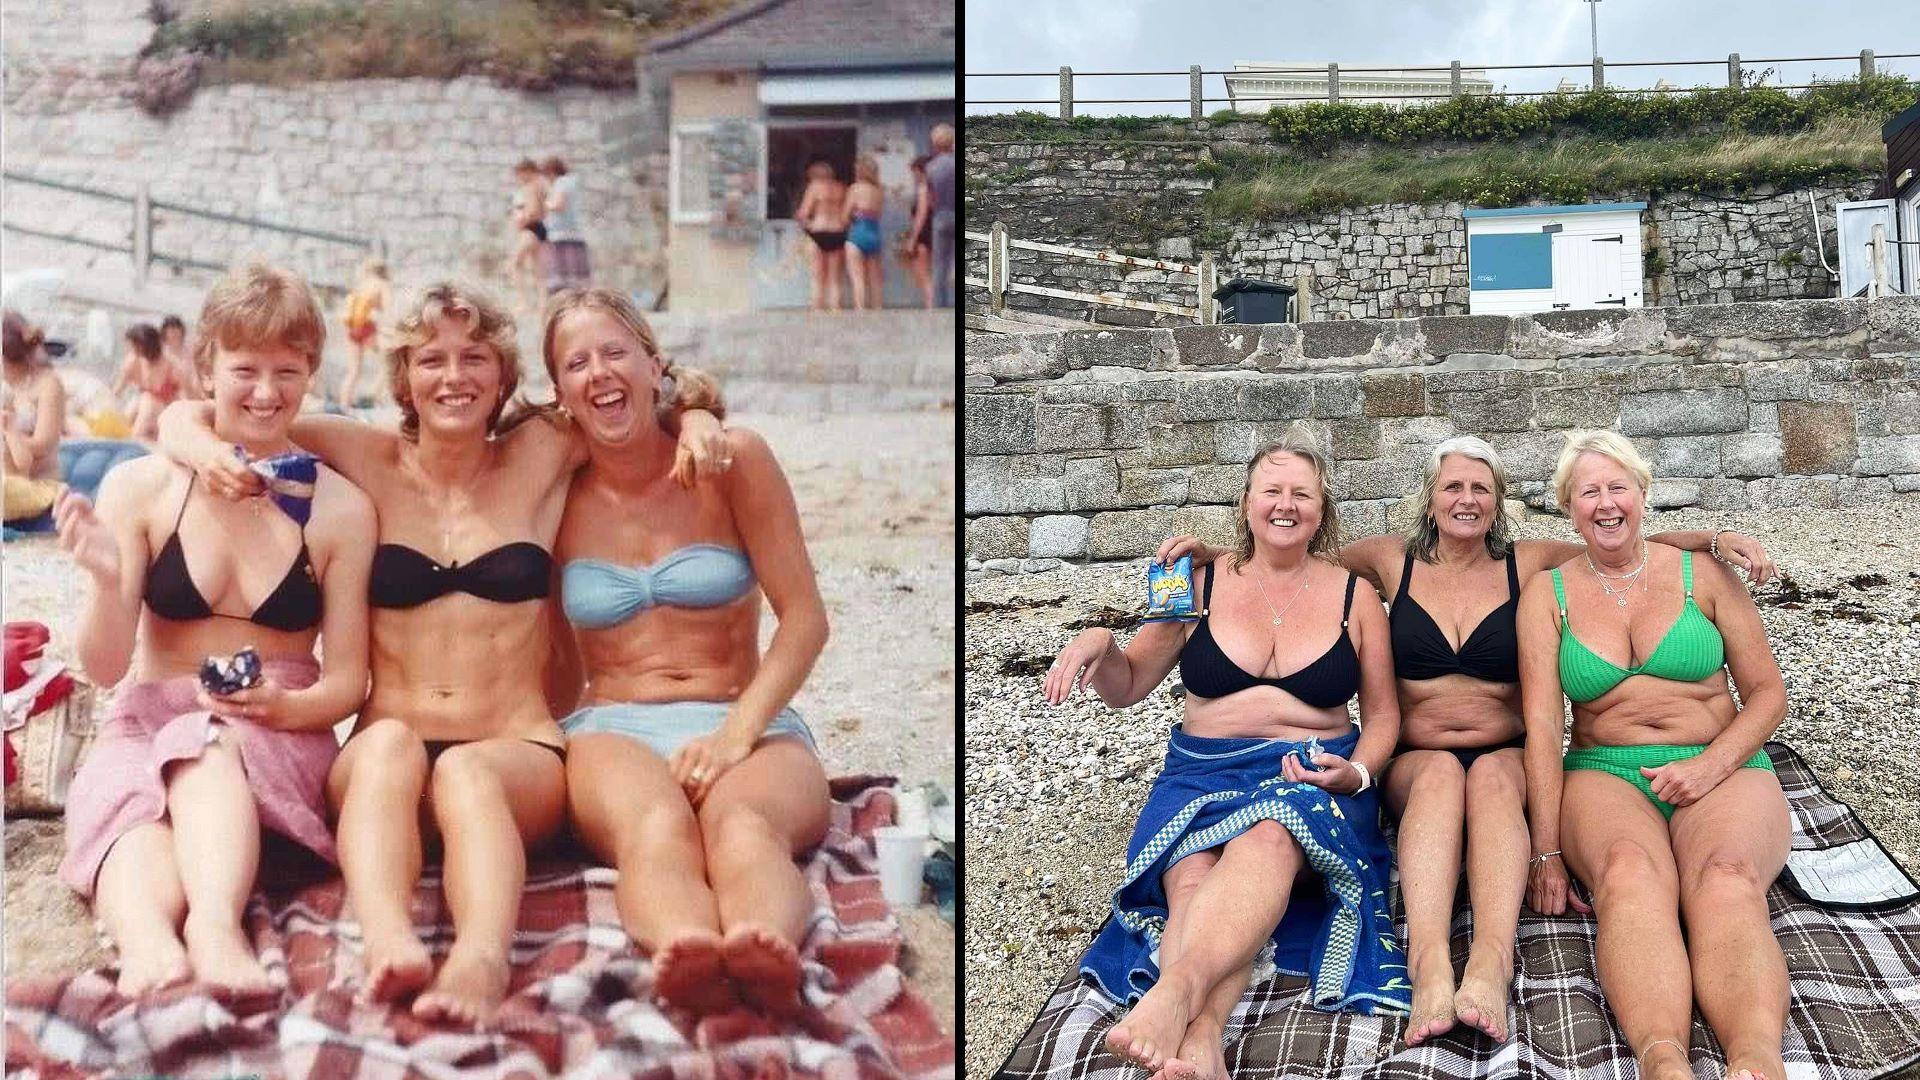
[1097, 444]
[1388, 261]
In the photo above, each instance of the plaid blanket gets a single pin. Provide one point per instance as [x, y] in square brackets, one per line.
[1854, 1014]
[580, 1002]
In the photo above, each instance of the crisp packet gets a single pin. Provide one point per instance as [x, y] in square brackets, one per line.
[1170, 590]
[226, 674]
[290, 481]
[1306, 752]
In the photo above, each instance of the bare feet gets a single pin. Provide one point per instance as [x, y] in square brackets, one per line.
[1762, 1066]
[689, 975]
[152, 965]
[1481, 1004]
[1665, 1061]
[221, 956]
[470, 987]
[1152, 1031]
[1202, 1054]
[397, 967]
[766, 967]
[1433, 1004]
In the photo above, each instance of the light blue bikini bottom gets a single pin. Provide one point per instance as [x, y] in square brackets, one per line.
[667, 725]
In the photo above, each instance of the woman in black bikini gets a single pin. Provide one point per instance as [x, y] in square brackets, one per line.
[820, 214]
[456, 736]
[1458, 764]
[919, 258]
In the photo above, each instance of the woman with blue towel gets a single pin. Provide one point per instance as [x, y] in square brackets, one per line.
[1267, 783]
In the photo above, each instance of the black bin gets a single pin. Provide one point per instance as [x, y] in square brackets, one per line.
[1244, 300]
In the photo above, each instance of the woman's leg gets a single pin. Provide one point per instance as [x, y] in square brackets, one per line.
[493, 799]
[1616, 842]
[1427, 790]
[877, 279]
[759, 815]
[1238, 904]
[817, 270]
[629, 811]
[857, 275]
[836, 277]
[216, 839]
[146, 417]
[1729, 847]
[1497, 846]
[1200, 1053]
[139, 899]
[375, 790]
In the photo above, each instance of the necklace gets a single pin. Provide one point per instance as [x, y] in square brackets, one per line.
[1619, 595]
[1280, 615]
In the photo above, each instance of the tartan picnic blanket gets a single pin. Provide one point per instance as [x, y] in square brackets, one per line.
[580, 1002]
[1854, 974]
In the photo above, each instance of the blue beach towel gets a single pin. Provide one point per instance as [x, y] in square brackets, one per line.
[1337, 930]
[84, 462]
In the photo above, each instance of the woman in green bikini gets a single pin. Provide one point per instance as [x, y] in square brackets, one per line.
[1669, 808]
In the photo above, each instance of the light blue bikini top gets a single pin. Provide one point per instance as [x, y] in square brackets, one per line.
[597, 594]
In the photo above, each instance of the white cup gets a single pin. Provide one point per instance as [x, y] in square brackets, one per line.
[911, 809]
[903, 856]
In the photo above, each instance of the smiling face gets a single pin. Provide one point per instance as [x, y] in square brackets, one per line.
[257, 392]
[1283, 504]
[1464, 505]
[604, 375]
[454, 381]
[1606, 502]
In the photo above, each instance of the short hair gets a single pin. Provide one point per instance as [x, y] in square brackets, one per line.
[941, 137]
[555, 167]
[1300, 442]
[260, 306]
[526, 165]
[821, 169]
[1423, 532]
[487, 322]
[866, 167]
[19, 338]
[144, 339]
[919, 164]
[173, 322]
[693, 389]
[1607, 444]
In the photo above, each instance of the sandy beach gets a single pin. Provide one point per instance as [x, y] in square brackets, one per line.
[1052, 793]
[876, 497]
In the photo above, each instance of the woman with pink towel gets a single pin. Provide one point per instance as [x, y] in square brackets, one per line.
[165, 816]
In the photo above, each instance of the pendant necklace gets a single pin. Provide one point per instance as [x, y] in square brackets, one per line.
[1280, 615]
[1619, 595]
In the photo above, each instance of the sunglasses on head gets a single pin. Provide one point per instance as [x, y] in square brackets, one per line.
[56, 349]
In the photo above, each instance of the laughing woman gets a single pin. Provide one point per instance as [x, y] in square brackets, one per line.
[689, 771]
[1242, 808]
[1457, 774]
[164, 822]
[1668, 806]
[455, 739]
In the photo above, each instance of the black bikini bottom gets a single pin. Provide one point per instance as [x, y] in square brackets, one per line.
[829, 241]
[436, 747]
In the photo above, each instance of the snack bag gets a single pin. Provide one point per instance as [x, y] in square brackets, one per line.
[226, 674]
[1306, 752]
[1170, 590]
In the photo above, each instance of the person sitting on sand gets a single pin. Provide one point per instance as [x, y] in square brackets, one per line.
[164, 817]
[1668, 807]
[690, 773]
[1245, 806]
[147, 370]
[455, 741]
[33, 413]
[1456, 780]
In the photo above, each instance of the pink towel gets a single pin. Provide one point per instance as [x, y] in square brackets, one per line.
[149, 726]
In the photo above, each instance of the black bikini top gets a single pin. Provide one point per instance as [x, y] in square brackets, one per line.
[293, 606]
[1490, 653]
[1330, 680]
[509, 574]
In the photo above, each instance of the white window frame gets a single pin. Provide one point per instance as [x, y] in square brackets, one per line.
[682, 216]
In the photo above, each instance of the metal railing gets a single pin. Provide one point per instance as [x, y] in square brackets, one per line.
[138, 241]
[999, 283]
[1334, 73]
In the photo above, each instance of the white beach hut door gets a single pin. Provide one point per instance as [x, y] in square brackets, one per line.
[1586, 270]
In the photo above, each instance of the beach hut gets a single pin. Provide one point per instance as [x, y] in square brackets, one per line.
[1553, 258]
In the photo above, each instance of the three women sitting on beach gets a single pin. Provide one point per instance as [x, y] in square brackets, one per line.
[1456, 627]
[455, 741]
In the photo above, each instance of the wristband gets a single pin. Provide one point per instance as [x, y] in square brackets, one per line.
[1366, 777]
[1543, 857]
[1713, 546]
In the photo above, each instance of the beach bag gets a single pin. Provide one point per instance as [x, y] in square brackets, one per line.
[48, 724]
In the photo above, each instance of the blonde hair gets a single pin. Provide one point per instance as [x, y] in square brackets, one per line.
[691, 387]
[1300, 442]
[374, 267]
[487, 323]
[866, 167]
[259, 306]
[1607, 444]
[942, 137]
[1423, 532]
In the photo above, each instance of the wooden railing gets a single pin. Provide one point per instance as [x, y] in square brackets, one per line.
[999, 282]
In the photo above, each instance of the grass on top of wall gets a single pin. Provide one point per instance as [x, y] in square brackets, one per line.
[526, 44]
[1254, 186]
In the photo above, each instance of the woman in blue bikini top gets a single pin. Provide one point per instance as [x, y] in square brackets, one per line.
[689, 772]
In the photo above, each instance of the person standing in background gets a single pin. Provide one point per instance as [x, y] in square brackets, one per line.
[918, 242]
[940, 183]
[566, 251]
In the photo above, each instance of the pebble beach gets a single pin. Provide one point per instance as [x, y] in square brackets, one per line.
[1052, 793]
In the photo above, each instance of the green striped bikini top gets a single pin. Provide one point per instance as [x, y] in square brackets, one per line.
[1690, 651]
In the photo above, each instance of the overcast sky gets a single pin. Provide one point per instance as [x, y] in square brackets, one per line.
[1169, 35]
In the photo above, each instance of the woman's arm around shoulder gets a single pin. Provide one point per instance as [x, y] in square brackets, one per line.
[1373, 558]
[341, 537]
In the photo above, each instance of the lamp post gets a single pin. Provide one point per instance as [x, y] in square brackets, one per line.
[1593, 23]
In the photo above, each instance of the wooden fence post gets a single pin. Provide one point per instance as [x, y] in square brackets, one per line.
[1066, 93]
[1333, 82]
[1733, 70]
[1193, 91]
[1302, 298]
[142, 232]
[1205, 304]
[1453, 80]
[1599, 74]
[997, 268]
[1866, 64]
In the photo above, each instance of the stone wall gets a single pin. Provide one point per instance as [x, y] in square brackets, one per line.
[425, 165]
[1097, 444]
[1390, 261]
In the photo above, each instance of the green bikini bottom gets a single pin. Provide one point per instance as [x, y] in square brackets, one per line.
[1626, 762]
